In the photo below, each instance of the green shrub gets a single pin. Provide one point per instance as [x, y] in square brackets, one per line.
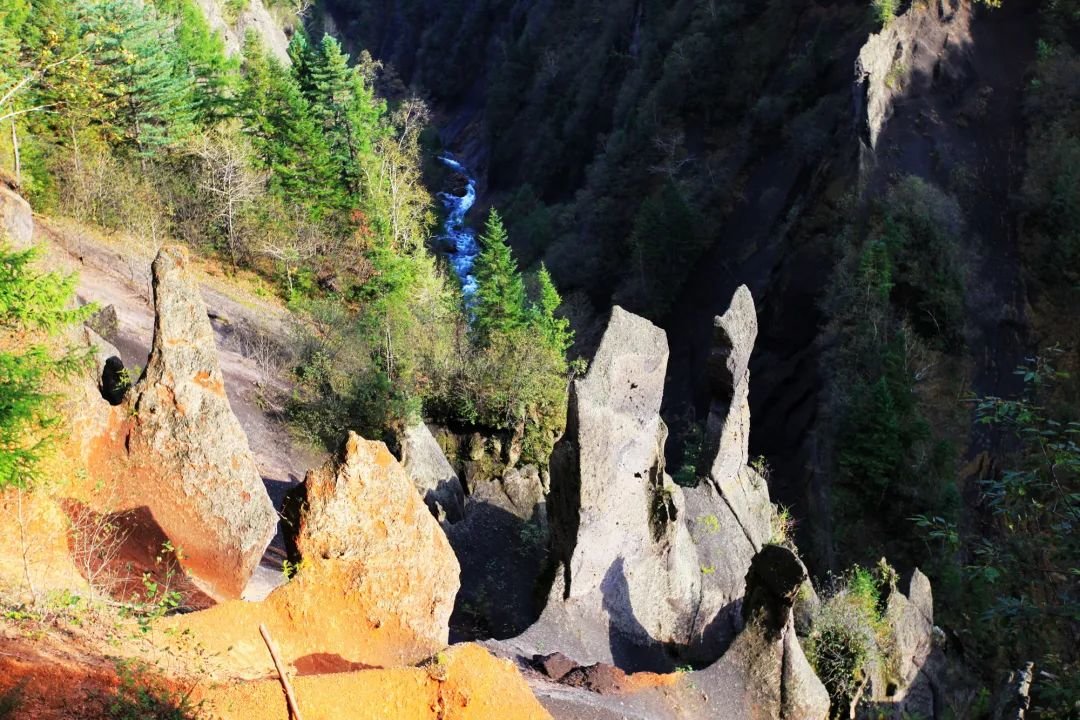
[884, 11]
[142, 695]
[849, 639]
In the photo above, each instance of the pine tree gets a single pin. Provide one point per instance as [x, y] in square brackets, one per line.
[201, 53]
[287, 138]
[555, 330]
[148, 99]
[331, 88]
[29, 302]
[500, 293]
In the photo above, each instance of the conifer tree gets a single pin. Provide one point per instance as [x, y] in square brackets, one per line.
[148, 99]
[332, 100]
[555, 330]
[29, 302]
[287, 138]
[500, 294]
[201, 53]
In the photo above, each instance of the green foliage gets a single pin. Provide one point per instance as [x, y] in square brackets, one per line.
[1023, 578]
[142, 695]
[30, 303]
[1052, 182]
[147, 93]
[884, 11]
[849, 639]
[499, 305]
[896, 300]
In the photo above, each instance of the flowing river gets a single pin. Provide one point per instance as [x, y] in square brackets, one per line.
[460, 239]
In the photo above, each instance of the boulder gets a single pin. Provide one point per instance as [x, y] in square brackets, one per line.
[908, 684]
[105, 323]
[765, 674]
[361, 509]
[16, 217]
[502, 545]
[176, 448]
[432, 473]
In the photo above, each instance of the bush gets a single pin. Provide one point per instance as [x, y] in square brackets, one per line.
[143, 696]
[884, 11]
[849, 639]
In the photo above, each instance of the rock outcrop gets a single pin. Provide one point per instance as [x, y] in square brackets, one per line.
[175, 447]
[908, 685]
[256, 18]
[628, 579]
[648, 570]
[432, 473]
[729, 513]
[765, 674]
[16, 217]
[362, 511]
[910, 49]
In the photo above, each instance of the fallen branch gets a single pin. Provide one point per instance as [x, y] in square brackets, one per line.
[290, 698]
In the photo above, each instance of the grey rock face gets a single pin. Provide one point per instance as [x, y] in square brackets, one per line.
[910, 688]
[910, 47]
[432, 473]
[255, 18]
[649, 567]
[16, 218]
[629, 577]
[729, 514]
[765, 674]
[105, 323]
[191, 462]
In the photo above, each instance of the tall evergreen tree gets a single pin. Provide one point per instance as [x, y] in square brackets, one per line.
[500, 294]
[201, 53]
[279, 120]
[555, 330]
[332, 99]
[149, 100]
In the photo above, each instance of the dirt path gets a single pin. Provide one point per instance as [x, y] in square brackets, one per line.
[246, 329]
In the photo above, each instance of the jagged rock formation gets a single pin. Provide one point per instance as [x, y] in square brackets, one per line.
[432, 473]
[16, 217]
[361, 509]
[909, 686]
[908, 51]
[629, 577]
[729, 513]
[650, 571]
[764, 674]
[253, 18]
[502, 544]
[175, 447]
[645, 563]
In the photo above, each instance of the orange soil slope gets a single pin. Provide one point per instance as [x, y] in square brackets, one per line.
[463, 683]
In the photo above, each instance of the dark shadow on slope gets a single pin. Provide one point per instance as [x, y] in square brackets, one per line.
[503, 559]
[121, 553]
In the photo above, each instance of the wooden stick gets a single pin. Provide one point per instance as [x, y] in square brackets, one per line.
[294, 709]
